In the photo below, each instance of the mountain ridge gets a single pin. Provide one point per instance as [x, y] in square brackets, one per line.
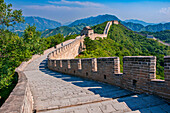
[51, 27]
[40, 23]
[94, 20]
[139, 22]
[133, 26]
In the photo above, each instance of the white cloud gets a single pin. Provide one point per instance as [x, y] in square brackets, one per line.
[48, 7]
[165, 10]
[87, 4]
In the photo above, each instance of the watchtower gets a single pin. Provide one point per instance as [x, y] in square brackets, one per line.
[87, 31]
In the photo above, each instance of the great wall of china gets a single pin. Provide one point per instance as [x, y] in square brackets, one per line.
[42, 90]
[139, 72]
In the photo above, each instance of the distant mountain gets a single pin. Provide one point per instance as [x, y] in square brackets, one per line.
[135, 25]
[40, 23]
[77, 26]
[139, 22]
[65, 30]
[91, 21]
[67, 23]
[150, 28]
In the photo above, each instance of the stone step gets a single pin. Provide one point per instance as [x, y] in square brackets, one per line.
[143, 101]
[137, 111]
[60, 103]
[122, 107]
[116, 94]
[164, 108]
[110, 106]
[79, 95]
[85, 99]
[137, 96]
[104, 90]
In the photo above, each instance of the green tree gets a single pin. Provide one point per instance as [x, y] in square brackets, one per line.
[9, 17]
[32, 40]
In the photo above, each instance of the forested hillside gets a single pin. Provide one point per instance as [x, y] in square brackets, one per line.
[162, 35]
[150, 28]
[122, 42]
[65, 30]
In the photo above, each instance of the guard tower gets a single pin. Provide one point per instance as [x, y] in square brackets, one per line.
[87, 31]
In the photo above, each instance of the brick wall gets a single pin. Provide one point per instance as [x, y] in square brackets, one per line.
[69, 50]
[167, 69]
[100, 69]
[138, 71]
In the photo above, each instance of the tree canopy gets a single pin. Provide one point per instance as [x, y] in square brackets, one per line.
[9, 17]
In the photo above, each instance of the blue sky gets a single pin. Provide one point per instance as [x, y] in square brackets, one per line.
[154, 11]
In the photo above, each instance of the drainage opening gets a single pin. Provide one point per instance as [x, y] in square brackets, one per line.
[34, 111]
[86, 73]
[104, 76]
[134, 83]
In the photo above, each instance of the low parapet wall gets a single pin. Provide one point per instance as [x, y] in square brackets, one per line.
[139, 72]
[68, 51]
[100, 69]
[20, 100]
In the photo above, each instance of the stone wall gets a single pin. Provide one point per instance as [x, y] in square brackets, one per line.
[139, 75]
[20, 99]
[70, 50]
[88, 32]
[139, 72]
[95, 36]
[100, 69]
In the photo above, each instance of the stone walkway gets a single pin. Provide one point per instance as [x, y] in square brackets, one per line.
[59, 93]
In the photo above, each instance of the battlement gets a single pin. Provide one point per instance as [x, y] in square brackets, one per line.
[139, 72]
[68, 51]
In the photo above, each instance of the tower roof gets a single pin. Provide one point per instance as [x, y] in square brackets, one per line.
[87, 28]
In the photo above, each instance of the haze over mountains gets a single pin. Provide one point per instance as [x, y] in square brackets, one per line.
[76, 26]
[139, 22]
[51, 27]
[40, 23]
[91, 21]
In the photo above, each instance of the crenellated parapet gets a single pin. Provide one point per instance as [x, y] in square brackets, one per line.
[139, 72]
[100, 69]
[70, 50]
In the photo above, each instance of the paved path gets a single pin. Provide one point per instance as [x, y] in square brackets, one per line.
[106, 30]
[59, 93]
